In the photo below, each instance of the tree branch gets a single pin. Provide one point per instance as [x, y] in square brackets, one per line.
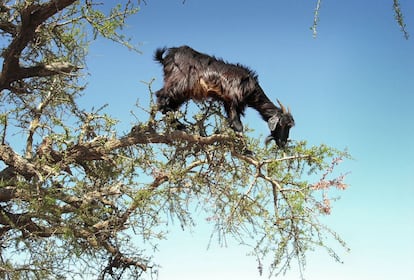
[24, 223]
[47, 70]
[31, 18]
[99, 148]
[21, 165]
[8, 27]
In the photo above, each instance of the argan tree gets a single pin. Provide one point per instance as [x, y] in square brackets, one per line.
[79, 199]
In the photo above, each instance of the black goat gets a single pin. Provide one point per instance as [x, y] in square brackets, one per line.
[189, 74]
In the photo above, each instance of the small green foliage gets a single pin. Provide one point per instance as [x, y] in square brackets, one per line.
[108, 25]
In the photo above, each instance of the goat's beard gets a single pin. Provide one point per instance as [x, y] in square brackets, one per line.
[279, 143]
[269, 139]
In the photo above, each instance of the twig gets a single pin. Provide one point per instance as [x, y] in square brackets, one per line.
[316, 18]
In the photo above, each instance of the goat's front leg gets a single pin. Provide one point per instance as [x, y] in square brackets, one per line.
[167, 102]
[234, 118]
[175, 122]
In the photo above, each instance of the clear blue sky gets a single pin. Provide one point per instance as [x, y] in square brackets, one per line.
[351, 87]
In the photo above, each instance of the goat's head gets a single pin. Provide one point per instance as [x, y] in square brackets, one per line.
[279, 126]
[162, 101]
[165, 102]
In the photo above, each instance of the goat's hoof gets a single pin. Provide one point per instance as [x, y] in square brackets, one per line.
[248, 153]
[180, 126]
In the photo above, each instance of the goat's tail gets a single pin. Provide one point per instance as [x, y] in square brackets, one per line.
[158, 55]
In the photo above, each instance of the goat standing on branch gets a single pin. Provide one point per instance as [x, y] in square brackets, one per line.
[189, 74]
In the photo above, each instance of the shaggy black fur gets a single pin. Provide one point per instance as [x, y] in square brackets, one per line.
[189, 74]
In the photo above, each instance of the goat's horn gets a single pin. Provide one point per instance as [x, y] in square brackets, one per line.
[281, 106]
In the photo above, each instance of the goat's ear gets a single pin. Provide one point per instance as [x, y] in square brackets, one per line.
[272, 122]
